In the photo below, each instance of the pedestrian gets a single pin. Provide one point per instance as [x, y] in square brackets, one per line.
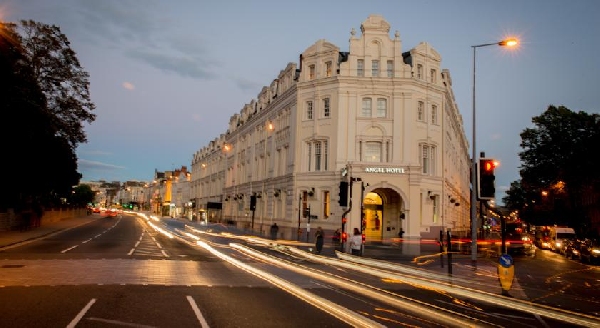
[337, 236]
[274, 231]
[319, 240]
[356, 242]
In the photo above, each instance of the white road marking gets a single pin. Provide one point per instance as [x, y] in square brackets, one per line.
[68, 249]
[199, 315]
[81, 313]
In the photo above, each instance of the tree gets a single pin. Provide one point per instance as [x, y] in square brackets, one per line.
[39, 141]
[62, 79]
[23, 118]
[82, 195]
[559, 161]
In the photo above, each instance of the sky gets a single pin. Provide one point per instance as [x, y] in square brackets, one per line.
[167, 75]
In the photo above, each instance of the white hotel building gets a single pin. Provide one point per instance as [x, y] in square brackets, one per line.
[384, 120]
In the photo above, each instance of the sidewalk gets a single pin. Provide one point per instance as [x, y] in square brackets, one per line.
[14, 237]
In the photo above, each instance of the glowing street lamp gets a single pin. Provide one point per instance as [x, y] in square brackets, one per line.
[512, 42]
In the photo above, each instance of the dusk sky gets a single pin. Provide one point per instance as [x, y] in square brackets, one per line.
[166, 76]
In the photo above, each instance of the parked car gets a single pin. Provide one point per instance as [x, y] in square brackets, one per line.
[572, 249]
[590, 251]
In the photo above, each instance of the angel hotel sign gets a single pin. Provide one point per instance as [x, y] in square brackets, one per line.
[390, 170]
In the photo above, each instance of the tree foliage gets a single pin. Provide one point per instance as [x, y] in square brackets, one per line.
[558, 167]
[40, 125]
[82, 195]
[62, 79]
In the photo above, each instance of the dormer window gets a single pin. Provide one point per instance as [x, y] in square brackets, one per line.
[360, 68]
[311, 72]
[329, 67]
[375, 68]
[419, 71]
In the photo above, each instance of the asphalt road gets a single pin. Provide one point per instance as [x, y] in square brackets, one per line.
[131, 271]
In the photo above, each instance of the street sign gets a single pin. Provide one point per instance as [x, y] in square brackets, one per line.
[506, 260]
[506, 272]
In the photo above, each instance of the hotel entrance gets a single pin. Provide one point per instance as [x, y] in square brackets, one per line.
[381, 215]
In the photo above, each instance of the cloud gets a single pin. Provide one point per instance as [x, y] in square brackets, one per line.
[181, 64]
[128, 85]
[84, 164]
[95, 152]
[143, 31]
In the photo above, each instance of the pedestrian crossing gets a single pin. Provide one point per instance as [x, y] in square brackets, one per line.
[148, 246]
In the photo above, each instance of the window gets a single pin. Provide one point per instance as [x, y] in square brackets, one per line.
[390, 68]
[317, 156]
[432, 76]
[425, 159]
[326, 109]
[375, 68]
[329, 67]
[372, 151]
[381, 107]
[326, 202]
[309, 155]
[360, 68]
[434, 116]
[366, 107]
[419, 71]
[428, 159]
[421, 111]
[311, 72]
[309, 110]
[325, 157]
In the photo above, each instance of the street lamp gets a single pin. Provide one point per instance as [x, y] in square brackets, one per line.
[504, 43]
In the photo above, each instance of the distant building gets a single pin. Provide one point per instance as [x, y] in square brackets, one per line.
[381, 119]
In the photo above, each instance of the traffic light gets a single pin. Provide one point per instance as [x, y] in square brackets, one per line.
[252, 203]
[486, 179]
[343, 194]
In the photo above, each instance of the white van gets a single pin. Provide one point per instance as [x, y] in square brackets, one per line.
[559, 236]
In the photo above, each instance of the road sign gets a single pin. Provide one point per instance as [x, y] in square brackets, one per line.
[506, 272]
[506, 260]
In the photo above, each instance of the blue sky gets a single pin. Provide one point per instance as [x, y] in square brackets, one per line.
[166, 76]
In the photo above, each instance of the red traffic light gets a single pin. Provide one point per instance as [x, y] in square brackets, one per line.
[489, 165]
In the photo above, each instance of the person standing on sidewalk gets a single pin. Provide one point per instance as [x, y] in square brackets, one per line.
[356, 242]
[274, 231]
[319, 240]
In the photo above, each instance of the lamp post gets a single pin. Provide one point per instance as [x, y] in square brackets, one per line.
[503, 43]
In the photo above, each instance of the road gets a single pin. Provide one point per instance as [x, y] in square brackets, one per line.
[134, 271]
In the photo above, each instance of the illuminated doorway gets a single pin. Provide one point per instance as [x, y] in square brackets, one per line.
[373, 217]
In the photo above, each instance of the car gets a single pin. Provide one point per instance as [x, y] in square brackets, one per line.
[590, 251]
[572, 249]
[96, 210]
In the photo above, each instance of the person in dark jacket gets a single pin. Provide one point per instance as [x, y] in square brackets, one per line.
[319, 240]
[274, 231]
